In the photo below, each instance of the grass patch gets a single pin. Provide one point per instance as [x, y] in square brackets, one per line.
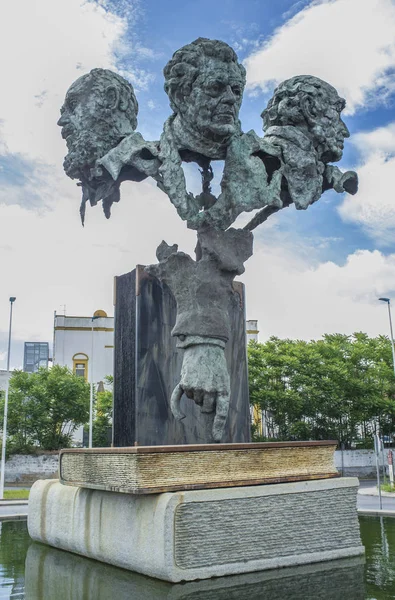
[16, 494]
[387, 487]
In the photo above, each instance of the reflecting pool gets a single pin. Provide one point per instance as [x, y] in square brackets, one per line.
[32, 571]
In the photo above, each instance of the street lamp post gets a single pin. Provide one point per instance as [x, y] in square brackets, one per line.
[387, 300]
[3, 447]
[91, 390]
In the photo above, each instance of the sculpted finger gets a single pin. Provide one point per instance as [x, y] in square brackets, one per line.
[175, 403]
[198, 397]
[221, 414]
[208, 404]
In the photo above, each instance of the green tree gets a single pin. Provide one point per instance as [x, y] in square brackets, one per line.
[103, 416]
[341, 387]
[45, 408]
[282, 376]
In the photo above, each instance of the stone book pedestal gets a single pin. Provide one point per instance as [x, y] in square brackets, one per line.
[147, 367]
[187, 535]
[181, 513]
[156, 469]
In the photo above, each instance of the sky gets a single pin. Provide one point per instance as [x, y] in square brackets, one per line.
[313, 272]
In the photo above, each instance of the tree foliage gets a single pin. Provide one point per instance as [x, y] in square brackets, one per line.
[45, 408]
[103, 416]
[341, 387]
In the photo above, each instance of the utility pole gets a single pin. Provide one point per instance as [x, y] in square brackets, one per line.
[388, 301]
[91, 390]
[3, 447]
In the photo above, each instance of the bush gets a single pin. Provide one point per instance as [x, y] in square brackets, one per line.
[44, 409]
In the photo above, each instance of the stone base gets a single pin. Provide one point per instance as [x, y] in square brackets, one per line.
[182, 536]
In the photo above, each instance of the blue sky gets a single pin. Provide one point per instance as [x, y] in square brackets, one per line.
[313, 271]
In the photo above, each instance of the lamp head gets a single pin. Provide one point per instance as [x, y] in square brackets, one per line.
[385, 300]
[12, 299]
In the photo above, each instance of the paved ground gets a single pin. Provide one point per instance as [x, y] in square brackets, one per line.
[12, 510]
[373, 503]
[368, 487]
[368, 499]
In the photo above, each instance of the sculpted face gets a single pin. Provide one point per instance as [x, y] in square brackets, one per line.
[212, 107]
[91, 123]
[314, 107]
[330, 130]
[326, 128]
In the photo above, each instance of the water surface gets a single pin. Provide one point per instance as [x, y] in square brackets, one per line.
[31, 571]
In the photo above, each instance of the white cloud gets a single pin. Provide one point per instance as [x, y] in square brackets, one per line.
[49, 260]
[373, 207]
[349, 43]
[44, 46]
[293, 298]
[381, 140]
[28, 183]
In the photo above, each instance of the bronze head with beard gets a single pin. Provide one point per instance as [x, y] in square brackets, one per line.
[99, 110]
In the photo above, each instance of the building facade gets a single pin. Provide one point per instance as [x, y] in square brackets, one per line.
[85, 345]
[257, 416]
[252, 331]
[35, 356]
[4, 377]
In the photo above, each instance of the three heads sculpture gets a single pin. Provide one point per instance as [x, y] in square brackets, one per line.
[290, 164]
[205, 83]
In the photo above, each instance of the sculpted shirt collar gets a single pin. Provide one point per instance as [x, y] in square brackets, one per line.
[302, 168]
[291, 134]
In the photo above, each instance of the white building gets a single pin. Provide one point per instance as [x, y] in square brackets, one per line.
[79, 343]
[85, 343]
[3, 379]
[252, 331]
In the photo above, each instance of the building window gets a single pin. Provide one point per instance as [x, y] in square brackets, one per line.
[36, 356]
[80, 365]
[80, 369]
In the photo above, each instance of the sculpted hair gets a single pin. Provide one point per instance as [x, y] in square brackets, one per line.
[185, 66]
[103, 78]
[285, 107]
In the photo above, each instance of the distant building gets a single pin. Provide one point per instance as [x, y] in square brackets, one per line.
[256, 414]
[83, 350]
[3, 379]
[252, 331]
[36, 355]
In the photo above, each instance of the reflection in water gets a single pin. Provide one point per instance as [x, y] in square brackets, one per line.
[14, 542]
[378, 537]
[56, 574]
